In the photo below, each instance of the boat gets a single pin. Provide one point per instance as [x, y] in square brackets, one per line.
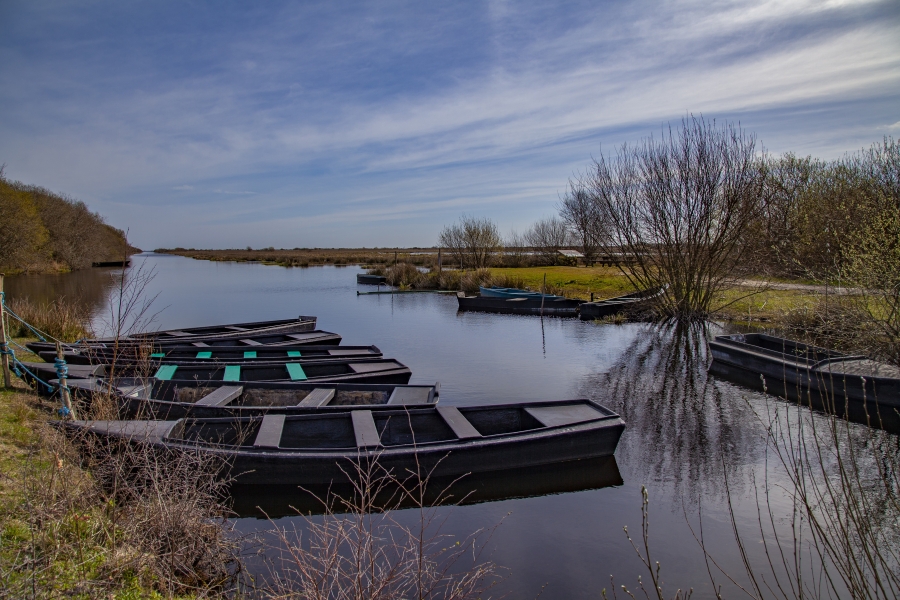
[501, 292]
[149, 398]
[138, 348]
[788, 364]
[634, 301]
[366, 279]
[443, 441]
[561, 307]
[210, 334]
[232, 355]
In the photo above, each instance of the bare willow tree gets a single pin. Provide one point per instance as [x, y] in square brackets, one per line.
[678, 207]
[547, 237]
[472, 241]
[581, 215]
[515, 252]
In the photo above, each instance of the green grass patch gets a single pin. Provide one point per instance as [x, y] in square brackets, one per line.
[572, 282]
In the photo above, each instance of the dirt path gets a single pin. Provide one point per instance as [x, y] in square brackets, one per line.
[802, 287]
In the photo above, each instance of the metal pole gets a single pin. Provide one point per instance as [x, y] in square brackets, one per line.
[7, 380]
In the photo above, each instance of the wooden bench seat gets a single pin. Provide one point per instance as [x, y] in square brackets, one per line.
[460, 425]
[317, 397]
[364, 429]
[269, 435]
[221, 396]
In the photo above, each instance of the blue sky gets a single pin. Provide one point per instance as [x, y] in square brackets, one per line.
[324, 124]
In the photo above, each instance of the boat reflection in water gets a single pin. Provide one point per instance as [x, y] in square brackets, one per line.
[274, 501]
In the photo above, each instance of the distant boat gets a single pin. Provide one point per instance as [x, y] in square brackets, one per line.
[442, 441]
[174, 399]
[500, 292]
[556, 306]
[604, 308]
[831, 374]
[111, 263]
[366, 279]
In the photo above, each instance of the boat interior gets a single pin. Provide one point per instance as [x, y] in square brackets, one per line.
[292, 371]
[369, 429]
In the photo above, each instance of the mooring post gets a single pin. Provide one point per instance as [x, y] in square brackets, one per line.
[61, 372]
[543, 291]
[7, 381]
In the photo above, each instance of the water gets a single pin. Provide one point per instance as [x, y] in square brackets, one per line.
[692, 440]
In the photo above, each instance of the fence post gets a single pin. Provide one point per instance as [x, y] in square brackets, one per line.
[61, 371]
[7, 381]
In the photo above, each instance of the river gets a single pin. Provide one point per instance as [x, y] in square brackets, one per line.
[694, 441]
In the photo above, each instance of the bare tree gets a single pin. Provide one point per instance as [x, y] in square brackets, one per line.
[515, 254]
[678, 208]
[547, 237]
[585, 221]
[472, 241]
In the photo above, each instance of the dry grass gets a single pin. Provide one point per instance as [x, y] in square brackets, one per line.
[61, 319]
[359, 549]
[306, 257]
[86, 519]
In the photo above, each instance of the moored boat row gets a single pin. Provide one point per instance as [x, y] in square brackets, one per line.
[294, 413]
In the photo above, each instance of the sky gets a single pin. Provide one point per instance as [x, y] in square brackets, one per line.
[340, 124]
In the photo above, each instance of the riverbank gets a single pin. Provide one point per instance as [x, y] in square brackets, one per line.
[64, 532]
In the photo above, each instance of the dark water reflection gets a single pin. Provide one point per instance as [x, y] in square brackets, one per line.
[561, 528]
[89, 287]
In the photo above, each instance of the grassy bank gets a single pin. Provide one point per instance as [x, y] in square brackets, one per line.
[71, 527]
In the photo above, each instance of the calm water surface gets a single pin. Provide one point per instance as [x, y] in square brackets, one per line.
[685, 431]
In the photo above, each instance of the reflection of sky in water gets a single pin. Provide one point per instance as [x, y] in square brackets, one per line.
[684, 430]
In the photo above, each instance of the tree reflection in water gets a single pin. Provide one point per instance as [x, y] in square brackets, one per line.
[793, 482]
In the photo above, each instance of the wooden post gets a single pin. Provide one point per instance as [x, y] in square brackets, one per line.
[439, 260]
[7, 381]
[543, 288]
[63, 386]
[592, 296]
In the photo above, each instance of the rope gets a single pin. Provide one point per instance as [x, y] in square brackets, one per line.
[7, 310]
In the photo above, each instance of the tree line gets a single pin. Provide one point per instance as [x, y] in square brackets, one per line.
[43, 231]
[702, 206]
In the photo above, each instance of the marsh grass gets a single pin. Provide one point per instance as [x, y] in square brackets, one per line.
[62, 319]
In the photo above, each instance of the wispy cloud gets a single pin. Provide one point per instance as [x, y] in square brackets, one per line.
[400, 114]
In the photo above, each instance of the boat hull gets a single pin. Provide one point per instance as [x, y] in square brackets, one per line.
[519, 306]
[318, 449]
[801, 368]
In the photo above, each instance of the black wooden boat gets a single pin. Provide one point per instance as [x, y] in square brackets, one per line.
[138, 347]
[445, 441]
[604, 308]
[231, 355]
[174, 400]
[795, 365]
[381, 370]
[241, 332]
[562, 307]
[366, 279]
[229, 332]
